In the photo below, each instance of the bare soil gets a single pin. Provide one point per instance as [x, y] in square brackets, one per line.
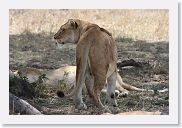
[40, 52]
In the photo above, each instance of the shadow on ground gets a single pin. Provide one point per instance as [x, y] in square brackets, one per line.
[39, 51]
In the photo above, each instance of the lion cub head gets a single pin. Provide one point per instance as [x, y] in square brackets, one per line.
[68, 33]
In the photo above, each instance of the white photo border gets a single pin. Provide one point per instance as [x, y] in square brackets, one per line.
[171, 5]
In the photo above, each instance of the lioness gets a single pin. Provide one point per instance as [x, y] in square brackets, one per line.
[96, 58]
[68, 75]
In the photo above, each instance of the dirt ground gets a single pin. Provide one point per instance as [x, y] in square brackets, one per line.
[152, 75]
[38, 50]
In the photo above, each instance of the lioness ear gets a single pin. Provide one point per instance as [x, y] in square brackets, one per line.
[73, 23]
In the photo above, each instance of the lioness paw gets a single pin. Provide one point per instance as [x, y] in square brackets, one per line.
[117, 93]
[81, 106]
[124, 94]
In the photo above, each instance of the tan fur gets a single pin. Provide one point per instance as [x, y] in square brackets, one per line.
[96, 58]
[68, 74]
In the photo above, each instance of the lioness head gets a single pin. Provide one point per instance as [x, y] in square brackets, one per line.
[68, 33]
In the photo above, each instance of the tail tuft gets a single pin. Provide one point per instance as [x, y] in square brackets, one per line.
[60, 94]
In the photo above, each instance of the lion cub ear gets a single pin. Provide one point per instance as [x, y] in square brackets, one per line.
[73, 23]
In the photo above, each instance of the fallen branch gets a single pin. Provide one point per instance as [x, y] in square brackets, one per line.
[17, 105]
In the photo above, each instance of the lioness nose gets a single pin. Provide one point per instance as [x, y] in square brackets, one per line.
[54, 37]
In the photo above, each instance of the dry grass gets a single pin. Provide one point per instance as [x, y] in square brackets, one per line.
[149, 25]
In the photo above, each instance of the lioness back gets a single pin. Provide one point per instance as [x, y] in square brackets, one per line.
[96, 58]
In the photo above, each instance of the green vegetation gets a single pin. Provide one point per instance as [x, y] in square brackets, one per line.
[20, 86]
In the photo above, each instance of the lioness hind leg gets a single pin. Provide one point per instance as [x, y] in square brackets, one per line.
[111, 84]
[89, 82]
[99, 83]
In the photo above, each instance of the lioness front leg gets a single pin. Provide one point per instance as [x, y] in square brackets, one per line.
[111, 85]
[79, 104]
[82, 51]
[81, 61]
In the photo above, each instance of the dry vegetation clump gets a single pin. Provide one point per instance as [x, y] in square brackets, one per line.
[149, 25]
